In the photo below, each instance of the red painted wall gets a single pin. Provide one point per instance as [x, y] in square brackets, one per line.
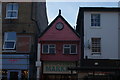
[65, 34]
[59, 56]
[60, 37]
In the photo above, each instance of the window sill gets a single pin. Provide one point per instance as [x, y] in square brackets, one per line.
[97, 54]
[95, 27]
[70, 54]
[11, 18]
[48, 53]
[9, 51]
[4, 48]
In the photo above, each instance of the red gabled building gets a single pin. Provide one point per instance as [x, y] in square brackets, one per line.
[59, 49]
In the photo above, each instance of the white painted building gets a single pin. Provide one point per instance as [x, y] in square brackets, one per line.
[100, 32]
[119, 4]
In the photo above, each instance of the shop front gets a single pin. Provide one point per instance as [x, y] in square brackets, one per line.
[15, 67]
[98, 70]
[58, 71]
[98, 75]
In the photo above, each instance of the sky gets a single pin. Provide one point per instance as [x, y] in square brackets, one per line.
[69, 10]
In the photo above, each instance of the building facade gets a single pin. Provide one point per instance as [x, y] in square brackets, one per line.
[0, 40]
[99, 29]
[118, 4]
[20, 29]
[59, 49]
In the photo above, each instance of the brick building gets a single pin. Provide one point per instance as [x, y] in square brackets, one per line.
[21, 25]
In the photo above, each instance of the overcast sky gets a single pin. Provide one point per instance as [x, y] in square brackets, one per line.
[69, 10]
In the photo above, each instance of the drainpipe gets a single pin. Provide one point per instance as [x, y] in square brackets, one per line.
[38, 62]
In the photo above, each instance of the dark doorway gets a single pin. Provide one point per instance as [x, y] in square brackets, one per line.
[14, 75]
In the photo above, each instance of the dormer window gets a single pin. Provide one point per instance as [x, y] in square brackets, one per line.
[12, 11]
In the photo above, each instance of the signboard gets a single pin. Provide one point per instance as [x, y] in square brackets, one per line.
[15, 61]
[57, 67]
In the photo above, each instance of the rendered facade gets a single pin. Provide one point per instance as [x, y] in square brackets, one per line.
[99, 31]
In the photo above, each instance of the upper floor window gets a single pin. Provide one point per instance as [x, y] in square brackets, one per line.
[48, 48]
[9, 40]
[69, 49]
[96, 45]
[12, 11]
[95, 19]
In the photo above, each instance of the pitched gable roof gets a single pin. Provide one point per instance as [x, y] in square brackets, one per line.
[51, 24]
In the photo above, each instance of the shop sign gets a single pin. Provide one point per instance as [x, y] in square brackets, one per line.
[57, 67]
[15, 61]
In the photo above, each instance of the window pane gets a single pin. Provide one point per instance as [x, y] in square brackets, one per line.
[73, 48]
[45, 48]
[66, 45]
[52, 50]
[10, 35]
[96, 45]
[14, 14]
[52, 46]
[66, 51]
[12, 10]
[9, 44]
[15, 6]
[12, 6]
[9, 6]
[99, 24]
[95, 19]
[9, 14]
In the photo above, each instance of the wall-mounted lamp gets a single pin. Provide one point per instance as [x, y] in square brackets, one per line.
[96, 63]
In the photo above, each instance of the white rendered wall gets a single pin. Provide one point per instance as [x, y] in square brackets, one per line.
[119, 4]
[119, 36]
[108, 32]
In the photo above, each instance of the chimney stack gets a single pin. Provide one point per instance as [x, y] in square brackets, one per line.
[59, 11]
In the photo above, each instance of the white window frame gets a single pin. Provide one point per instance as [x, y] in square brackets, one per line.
[69, 48]
[7, 11]
[5, 40]
[95, 22]
[98, 46]
[48, 48]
